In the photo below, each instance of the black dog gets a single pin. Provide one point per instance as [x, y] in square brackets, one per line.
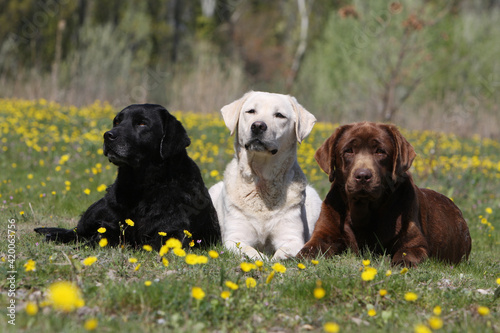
[158, 186]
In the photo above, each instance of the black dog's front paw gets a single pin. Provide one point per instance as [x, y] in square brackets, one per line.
[57, 234]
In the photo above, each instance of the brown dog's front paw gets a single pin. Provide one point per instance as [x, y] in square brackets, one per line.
[409, 257]
[307, 252]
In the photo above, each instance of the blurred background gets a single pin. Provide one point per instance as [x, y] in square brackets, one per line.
[420, 64]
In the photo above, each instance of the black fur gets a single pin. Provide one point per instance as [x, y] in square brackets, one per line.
[158, 186]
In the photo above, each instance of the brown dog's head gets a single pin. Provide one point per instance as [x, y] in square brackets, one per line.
[366, 157]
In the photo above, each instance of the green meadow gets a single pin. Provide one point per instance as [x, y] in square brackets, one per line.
[52, 169]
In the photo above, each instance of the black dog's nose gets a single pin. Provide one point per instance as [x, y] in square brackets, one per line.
[258, 127]
[363, 175]
[109, 135]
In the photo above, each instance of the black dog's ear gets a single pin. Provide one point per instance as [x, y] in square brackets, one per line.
[326, 155]
[404, 154]
[175, 138]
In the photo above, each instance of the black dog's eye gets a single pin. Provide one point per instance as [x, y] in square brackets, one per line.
[380, 151]
[279, 115]
[142, 123]
[251, 111]
[116, 122]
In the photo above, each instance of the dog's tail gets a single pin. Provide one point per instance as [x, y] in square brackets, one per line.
[60, 235]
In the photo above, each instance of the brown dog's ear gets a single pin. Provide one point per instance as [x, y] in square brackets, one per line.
[326, 155]
[231, 112]
[404, 154]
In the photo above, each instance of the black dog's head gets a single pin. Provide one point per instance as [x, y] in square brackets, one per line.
[144, 133]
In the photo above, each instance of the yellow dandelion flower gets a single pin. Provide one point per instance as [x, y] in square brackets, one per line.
[103, 242]
[270, 277]
[161, 233]
[231, 285]
[132, 260]
[250, 282]
[30, 265]
[404, 270]
[435, 323]
[197, 293]
[191, 259]
[366, 262]
[147, 283]
[319, 292]
[314, 262]
[202, 259]
[213, 254]
[188, 234]
[21, 212]
[225, 294]
[89, 261]
[372, 312]
[86, 191]
[483, 310]
[388, 272]
[279, 268]
[498, 281]
[411, 296]
[30, 176]
[65, 296]
[191, 243]
[259, 263]
[130, 222]
[488, 210]
[148, 248]
[368, 274]
[31, 308]
[136, 268]
[421, 328]
[382, 292]
[101, 230]
[164, 261]
[101, 188]
[247, 267]
[163, 250]
[179, 252]
[214, 173]
[90, 324]
[331, 327]
[437, 310]
[173, 243]
[301, 266]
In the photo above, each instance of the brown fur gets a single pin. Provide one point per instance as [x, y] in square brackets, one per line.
[374, 204]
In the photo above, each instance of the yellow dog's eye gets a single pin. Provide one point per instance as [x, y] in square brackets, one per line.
[279, 115]
[251, 111]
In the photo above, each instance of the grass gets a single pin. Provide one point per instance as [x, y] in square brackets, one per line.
[52, 154]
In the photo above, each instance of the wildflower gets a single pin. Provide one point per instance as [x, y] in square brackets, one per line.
[161, 233]
[103, 242]
[388, 272]
[483, 310]
[435, 323]
[420, 328]
[191, 259]
[498, 281]
[231, 285]
[179, 252]
[259, 264]
[279, 268]
[213, 254]
[250, 282]
[163, 250]
[173, 243]
[65, 296]
[101, 188]
[382, 292]
[366, 262]
[188, 234]
[21, 212]
[147, 283]
[136, 268]
[164, 261]
[89, 261]
[132, 260]
[331, 327]
[411, 296]
[270, 277]
[225, 294]
[202, 259]
[191, 243]
[319, 292]
[368, 273]
[314, 262]
[437, 310]
[31, 308]
[197, 293]
[30, 265]
[90, 324]
[301, 266]
[86, 191]
[372, 312]
[148, 248]
[404, 270]
[247, 267]
[101, 230]
[488, 210]
[214, 173]
[130, 222]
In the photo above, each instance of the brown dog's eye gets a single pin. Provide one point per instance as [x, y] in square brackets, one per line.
[348, 151]
[380, 151]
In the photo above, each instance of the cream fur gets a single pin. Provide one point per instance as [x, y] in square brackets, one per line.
[261, 202]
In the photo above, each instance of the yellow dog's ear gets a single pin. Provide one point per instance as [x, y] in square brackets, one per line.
[305, 120]
[231, 112]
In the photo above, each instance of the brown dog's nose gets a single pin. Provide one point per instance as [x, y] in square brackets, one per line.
[363, 175]
[258, 127]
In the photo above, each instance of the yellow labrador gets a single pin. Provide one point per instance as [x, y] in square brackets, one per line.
[264, 204]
